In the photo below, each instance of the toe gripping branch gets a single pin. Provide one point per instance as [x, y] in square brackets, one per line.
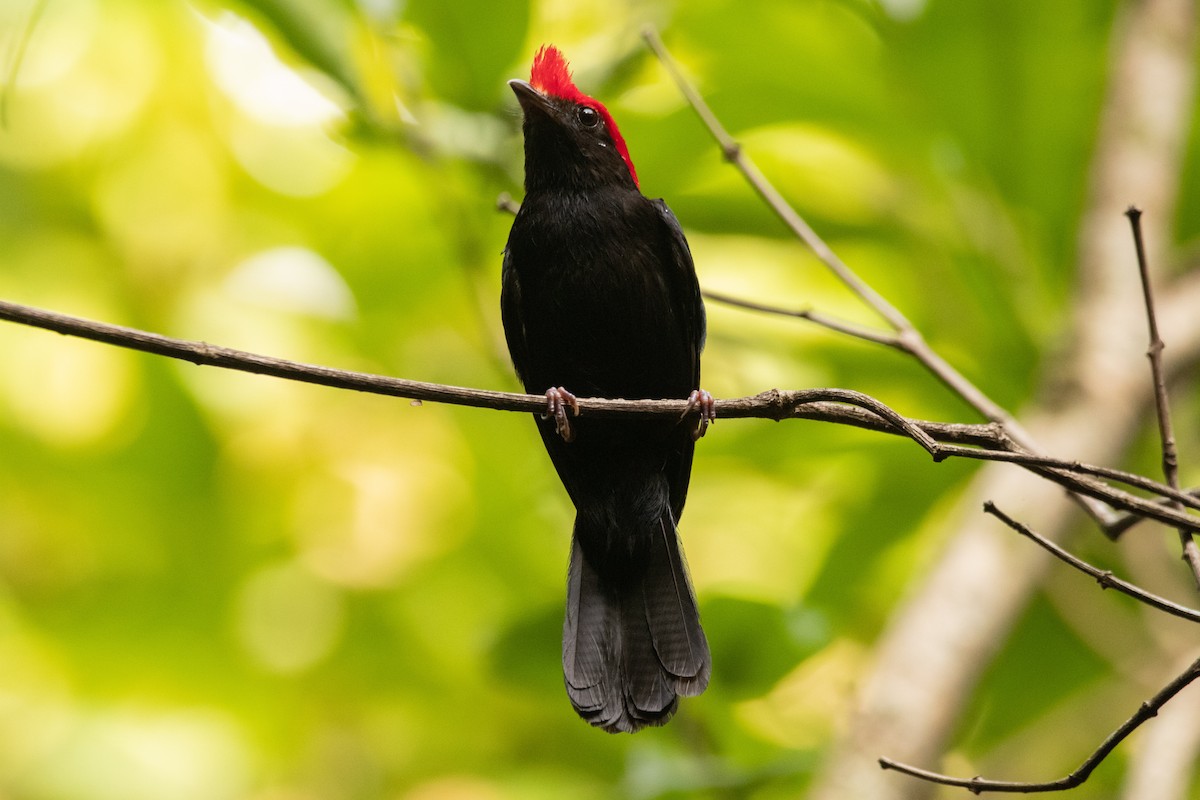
[702, 402]
[558, 400]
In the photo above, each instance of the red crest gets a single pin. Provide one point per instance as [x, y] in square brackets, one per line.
[551, 75]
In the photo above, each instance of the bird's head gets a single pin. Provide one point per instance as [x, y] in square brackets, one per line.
[570, 138]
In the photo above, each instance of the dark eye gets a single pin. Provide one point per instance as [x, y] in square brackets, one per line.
[588, 117]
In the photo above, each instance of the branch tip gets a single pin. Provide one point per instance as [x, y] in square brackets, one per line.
[1162, 406]
[1105, 578]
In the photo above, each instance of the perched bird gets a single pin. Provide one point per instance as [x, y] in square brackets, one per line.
[600, 299]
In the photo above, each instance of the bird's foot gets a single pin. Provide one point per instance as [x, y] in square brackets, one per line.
[558, 400]
[702, 401]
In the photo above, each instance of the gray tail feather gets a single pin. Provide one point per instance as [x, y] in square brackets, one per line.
[632, 647]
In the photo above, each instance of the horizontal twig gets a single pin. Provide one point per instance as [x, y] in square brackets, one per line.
[824, 320]
[994, 432]
[1124, 522]
[775, 404]
[839, 406]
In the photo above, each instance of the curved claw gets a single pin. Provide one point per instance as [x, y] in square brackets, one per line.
[702, 401]
[558, 400]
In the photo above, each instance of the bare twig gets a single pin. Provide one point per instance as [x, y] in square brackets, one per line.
[815, 317]
[1105, 578]
[1127, 521]
[1163, 765]
[908, 338]
[840, 406]
[1114, 528]
[734, 154]
[978, 785]
[1114, 497]
[988, 442]
[990, 434]
[775, 404]
[1162, 406]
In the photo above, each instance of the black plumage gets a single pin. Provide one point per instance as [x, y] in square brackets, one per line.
[600, 298]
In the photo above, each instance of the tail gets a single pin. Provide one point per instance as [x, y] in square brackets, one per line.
[632, 641]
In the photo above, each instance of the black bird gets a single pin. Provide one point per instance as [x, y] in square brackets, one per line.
[600, 299]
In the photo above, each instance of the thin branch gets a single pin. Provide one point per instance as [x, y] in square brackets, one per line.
[989, 442]
[1170, 463]
[977, 785]
[1113, 529]
[1190, 499]
[1126, 521]
[1162, 406]
[909, 339]
[774, 404]
[734, 154]
[815, 317]
[1104, 577]
[993, 434]
[833, 405]
[204, 354]
[1063, 473]
[1115, 497]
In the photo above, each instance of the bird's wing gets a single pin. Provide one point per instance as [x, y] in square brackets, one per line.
[510, 315]
[683, 275]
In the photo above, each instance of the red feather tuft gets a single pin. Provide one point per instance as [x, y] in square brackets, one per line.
[551, 75]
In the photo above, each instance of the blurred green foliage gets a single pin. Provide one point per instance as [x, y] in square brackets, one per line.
[222, 586]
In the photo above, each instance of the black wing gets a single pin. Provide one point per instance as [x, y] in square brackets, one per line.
[510, 317]
[684, 275]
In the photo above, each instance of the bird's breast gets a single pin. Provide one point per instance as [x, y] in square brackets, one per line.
[595, 299]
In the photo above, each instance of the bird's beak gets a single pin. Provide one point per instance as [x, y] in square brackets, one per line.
[529, 98]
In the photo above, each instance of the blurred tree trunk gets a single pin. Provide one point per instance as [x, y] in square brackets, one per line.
[1093, 399]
